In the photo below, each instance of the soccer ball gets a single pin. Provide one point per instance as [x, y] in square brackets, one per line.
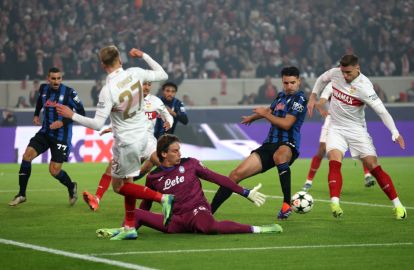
[301, 202]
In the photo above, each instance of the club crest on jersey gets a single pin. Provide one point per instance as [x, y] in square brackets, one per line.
[61, 97]
[280, 107]
[352, 90]
[181, 169]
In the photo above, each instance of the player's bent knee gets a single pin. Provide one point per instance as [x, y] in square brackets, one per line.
[54, 172]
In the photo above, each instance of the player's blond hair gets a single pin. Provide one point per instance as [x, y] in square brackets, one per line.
[109, 56]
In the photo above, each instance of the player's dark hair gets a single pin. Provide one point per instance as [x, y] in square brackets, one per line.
[349, 60]
[53, 70]
[169, 84]
[290, 71]
[164, 143]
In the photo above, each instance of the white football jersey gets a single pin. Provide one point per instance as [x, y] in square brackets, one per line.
[154, 107]
[348, 99]
[122, 99]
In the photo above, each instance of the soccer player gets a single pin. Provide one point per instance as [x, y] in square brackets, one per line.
[174, 106]
[122, 99]
[55, 134]
[153, 108]
[316, 160]
[192, 212]
[281, 146]
[351, 91]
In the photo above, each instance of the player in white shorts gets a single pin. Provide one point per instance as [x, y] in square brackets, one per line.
[121, 99]
[351, 91]
[153, 108]
[317, 159]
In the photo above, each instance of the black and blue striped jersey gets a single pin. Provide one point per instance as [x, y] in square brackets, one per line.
[178, 107]
[48, 98]
[294, 104]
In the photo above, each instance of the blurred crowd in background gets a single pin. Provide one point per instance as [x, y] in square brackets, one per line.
[206, 39]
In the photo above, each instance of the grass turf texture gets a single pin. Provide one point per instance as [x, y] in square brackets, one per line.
[367, 235]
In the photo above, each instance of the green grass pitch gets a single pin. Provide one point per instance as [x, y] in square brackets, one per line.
[45, 233]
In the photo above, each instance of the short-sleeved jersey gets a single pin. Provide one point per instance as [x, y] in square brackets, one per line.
[183, 182]
[154, 108]
[122, 99]
[327, 91]
[178, 107]
[294, 104]
[348, 99]
[47, 100]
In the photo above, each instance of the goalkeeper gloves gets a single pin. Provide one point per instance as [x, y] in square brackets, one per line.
[255, 196]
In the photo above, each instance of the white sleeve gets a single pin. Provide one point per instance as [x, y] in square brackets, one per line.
[102, 112]
[95, 123]
[321, 82]
[386, 119]
[327, 91]
[165, 115]
[157, 73]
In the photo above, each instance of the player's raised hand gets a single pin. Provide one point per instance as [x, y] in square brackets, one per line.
[256, 197]
[136, 53]
[64, 111]
[400, 141]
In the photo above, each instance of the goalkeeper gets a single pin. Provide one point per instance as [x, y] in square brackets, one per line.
[191, 212]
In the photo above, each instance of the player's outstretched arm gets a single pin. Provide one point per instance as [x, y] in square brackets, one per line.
[311, 104]
[95, 123]
[389, 123]
[255, 196]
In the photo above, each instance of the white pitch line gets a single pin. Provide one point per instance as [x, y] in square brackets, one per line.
[328, 201]
[75, 255]
[254, 248]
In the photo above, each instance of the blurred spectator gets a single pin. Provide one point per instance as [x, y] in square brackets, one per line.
[34, 93]
[380, 93]
[69, 35]
[213, 101]
[9, 119]
[267, 92]
[305, 87]
[410, 93]
[95, 90]
[247, 99]
[187, 101]
[40, 65]
[387, 66]
[22, 103]
[3, 66]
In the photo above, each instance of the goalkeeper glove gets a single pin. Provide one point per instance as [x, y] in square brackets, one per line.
[255, 196]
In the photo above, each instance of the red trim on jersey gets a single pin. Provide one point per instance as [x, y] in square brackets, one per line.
[345, 98]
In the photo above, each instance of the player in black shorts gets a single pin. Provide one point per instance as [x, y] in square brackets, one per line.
[55, 134]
